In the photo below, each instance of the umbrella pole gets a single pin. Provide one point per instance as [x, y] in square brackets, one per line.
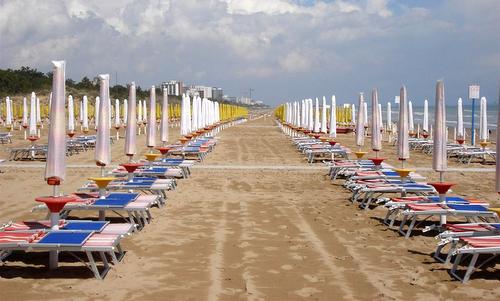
[442, 199]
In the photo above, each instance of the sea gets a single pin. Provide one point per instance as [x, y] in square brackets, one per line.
[451, 115]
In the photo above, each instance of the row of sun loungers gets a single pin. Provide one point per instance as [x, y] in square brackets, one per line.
[462, 153]
[472, 240]
[474, 233]
[130, 197]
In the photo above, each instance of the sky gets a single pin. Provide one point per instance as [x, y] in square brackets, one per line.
[284, 50]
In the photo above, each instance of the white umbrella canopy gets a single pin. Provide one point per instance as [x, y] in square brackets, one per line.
[80, 113]
[380, 120]
[353, 113]
[411, 125]
[497, 174]
[360, 129]
[460, 120]
[376, 123]
[323, 116]
[32, 130]
[403, 147]
[333, 118]
[183, 115]
[85, 113]
[310, 113]
[483, 121]
[55, 166]
[25, 113]
[194, 121]
[151, 141]
[38, 116]
[316, 116]
[131, 130]
[139, 111]
[96, 111]
[71, 115]
[144, 111]
[425, 122]
[199, 104]
[389, 116]
[164, 117]
[8, 105]
[117, 113]
[365, 114]
[102, 154]
[439, 156]
[125, 111]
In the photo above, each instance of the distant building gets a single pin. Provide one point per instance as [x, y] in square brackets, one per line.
[174, 87]
[202, 91]
[229, 98]
[217, 93]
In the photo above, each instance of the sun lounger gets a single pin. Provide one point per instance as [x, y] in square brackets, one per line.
[104, 227]
[471, 212]
[473, 247]
[453, 232]
[88, 242]
[5, 138]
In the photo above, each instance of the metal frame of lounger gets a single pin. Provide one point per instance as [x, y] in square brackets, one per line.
[140, 215]
[474, 252]
[452, 239]
[470, 215]
[114, 250]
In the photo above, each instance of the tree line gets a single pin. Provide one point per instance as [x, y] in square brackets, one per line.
[26, 79]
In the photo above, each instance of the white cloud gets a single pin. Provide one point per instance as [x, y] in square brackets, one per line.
[225, 42]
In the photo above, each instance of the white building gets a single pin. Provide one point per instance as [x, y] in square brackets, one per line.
[174, 87]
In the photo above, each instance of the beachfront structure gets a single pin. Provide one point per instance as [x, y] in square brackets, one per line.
[174, 87]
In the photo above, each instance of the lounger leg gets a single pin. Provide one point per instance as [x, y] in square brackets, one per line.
[410, 228]
[93, 266]
[402, 224]
[470, 269]
[450, 253]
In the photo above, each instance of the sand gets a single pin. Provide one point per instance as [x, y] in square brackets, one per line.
[247, 227]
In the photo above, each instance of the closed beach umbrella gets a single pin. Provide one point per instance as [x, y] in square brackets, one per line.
[139, 111]
[117, 113]
[411, 125]
[183, 115]
[131, 129]
[164, 117]
[302, 113]
[353, 113]
[144, 111]
[55, 166]
[102, 149]
[32, 114]
[310, 113]
[497, 174]
[316, 116]
[71, 115]
[151, 141]
[425, 123]
[376, 122]
[125, 111]
[483, 121]
[333, 118]
[96, 111]
[85, 114]
[439, 162]
[389, 116]
[365, 114]
[323, 116]
[360, 129]
[38, 116]
[403, 147]
[25, 112]
[460, 120]
[381, 123]
[194, 121]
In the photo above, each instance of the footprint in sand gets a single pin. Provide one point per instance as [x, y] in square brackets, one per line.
[310, 278]
[307, 291]
[287, 267]
[273, 272]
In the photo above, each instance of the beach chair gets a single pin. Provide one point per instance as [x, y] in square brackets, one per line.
[367, 193]
[103, 227]
[453, 232]
[471, 212]
[152, 171]
[5, 138]
[73, 242]
[473, 247]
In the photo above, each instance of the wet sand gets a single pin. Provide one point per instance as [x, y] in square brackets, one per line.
[237, 231]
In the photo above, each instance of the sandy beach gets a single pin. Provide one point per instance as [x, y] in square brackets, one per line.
[253, 222]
